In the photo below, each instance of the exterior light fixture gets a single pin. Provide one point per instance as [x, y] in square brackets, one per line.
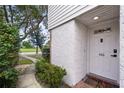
[96, 18]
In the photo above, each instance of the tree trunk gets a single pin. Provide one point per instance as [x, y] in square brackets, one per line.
[40, 49]
[11, 11]
[6, 14]
[37, 50]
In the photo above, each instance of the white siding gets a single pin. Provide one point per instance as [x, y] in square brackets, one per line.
[59, 14]
[69, 50]
[122, 46]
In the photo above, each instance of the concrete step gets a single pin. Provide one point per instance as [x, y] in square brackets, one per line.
[82, 84]
[102, 80]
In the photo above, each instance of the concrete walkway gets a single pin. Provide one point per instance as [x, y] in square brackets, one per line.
[27, 78]
[27, 57]
[29, 53]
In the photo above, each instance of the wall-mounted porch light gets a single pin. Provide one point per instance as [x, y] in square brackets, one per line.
[95, 18]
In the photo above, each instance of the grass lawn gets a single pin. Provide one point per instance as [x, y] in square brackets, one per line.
[28, 50]
[25, 61]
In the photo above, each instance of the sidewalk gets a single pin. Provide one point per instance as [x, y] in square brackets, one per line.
[27, 79]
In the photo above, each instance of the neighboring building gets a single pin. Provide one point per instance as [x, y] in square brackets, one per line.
[85, 39]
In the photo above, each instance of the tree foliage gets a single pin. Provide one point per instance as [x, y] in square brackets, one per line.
[8, 54]
[27, 19]
[37, 38]
[26, 44]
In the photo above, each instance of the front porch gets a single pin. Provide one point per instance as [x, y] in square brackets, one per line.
[95, 81]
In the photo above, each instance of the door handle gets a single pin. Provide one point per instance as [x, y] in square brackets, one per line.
[114, 55]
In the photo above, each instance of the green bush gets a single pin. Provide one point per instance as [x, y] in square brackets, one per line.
[50, 74]
[8, 55]
[46, 52]
[8, 78]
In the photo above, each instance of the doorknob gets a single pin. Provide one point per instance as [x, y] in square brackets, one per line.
[114, 55]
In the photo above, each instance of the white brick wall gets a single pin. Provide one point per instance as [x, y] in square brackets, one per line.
[80, 51]
[68, 50]
[62, 44]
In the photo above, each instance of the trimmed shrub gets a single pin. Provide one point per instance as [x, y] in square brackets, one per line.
[50, 74]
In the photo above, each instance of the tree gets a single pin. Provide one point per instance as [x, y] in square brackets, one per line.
[8, 54]
[26, 44]
[27, 18]
[38, 39]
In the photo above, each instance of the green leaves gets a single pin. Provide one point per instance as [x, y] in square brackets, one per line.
[8, 53]
[8, 78]
[10, 74]
[49, 73]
